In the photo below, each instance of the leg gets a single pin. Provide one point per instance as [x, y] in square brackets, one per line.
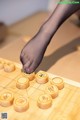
[34, 50]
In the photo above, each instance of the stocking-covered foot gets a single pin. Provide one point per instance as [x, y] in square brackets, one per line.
[33, 51]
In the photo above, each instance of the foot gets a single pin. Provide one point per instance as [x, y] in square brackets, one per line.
[33, 52]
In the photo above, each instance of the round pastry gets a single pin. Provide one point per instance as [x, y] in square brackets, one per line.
[6, 99]
[9, 67]
[58, 82]
[21, 104]
[44, 101]
[22, 83]
[41, 77]
[52, 90]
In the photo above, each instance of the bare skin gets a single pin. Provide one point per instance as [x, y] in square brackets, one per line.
[33, 52]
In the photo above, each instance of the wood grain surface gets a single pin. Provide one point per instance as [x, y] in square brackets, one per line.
[64, 107]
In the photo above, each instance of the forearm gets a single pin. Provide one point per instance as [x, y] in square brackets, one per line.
[61, 13]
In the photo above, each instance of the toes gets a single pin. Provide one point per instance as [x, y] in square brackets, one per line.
[32, 68]
[21, 57]
[24, 58]
[26, 66]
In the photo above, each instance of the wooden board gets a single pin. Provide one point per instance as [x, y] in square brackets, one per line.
[64, 107]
